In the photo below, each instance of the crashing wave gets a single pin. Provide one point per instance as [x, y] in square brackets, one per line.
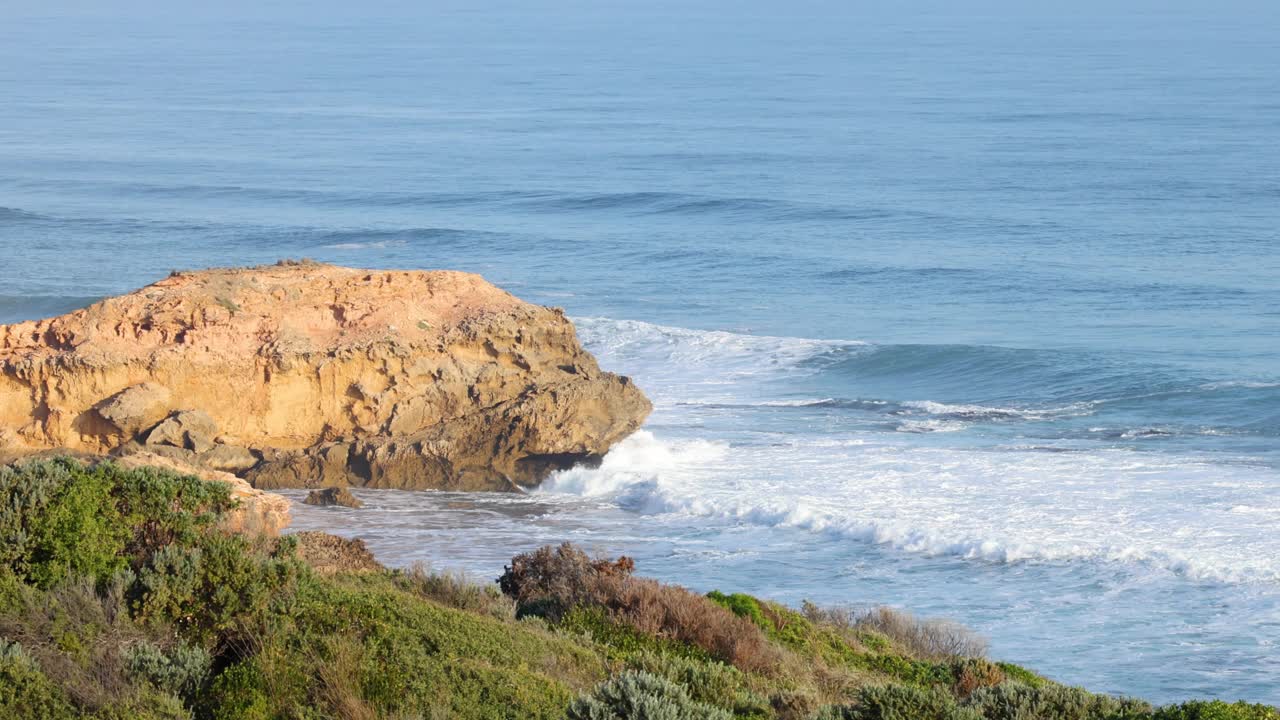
[646, 475]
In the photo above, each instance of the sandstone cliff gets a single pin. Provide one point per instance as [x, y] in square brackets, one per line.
[307, 375]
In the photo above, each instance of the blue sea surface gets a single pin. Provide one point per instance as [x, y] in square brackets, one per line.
[972, 309]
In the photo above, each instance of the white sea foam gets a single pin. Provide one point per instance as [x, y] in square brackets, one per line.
[996, 506]
[796, 403]
[983, 412]
[931, 425]
[1003, 504]
[801, 403]
[682, 364]
[1247, 384]
[370, 245]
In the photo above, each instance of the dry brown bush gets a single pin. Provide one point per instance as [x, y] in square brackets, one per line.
[929, 639]
[339, 686]
[551, 581]
[977, 673]
[79, 639]
[673, 612]
[839, 618]
[456, 590]
[795, 704]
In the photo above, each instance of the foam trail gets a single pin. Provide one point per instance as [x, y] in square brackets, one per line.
[982, 412]
[370, 245]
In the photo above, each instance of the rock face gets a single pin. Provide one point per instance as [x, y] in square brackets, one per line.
[328, 554]
[307, 375]
[326, 497]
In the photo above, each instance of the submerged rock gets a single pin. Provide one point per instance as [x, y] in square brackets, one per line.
[308, 375]
[333, 496]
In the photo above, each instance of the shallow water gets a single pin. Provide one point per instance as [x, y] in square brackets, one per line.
[973, 313]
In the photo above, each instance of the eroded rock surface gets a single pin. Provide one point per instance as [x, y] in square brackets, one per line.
[326, 497]
[329, 554]
[308, 375]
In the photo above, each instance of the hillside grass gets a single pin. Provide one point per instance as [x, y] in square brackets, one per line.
[121, 597]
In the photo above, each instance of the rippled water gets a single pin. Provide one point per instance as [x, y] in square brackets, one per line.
[970, 312]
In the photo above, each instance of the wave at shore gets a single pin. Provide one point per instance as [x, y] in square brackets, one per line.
[1002, 507]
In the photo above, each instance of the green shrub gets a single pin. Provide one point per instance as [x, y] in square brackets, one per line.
[742, 605]
[620, 640]
[1017, 673]
[1216, 710]
[899, 702]
[1014, 701]
[792, 629]
[61, 518]
[25, 692]
[145, 705]
[213, 589]
[57, 520]
[406, 656]
[237, 693]
[79, 636]
[180, 671]
[635, 695]
[707, 681]
[788, 627]
[905, 669]
[162, 507]
[239, 628]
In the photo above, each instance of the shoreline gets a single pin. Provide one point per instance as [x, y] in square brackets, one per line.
[450, 529]
[599, 627]
[483, 392]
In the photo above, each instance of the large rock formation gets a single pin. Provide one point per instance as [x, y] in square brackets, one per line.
[307, 375]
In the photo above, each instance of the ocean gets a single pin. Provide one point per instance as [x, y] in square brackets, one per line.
[971, 311]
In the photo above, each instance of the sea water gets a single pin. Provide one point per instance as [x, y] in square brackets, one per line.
[969, 310]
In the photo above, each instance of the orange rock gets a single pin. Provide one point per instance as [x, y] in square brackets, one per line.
[304, 375]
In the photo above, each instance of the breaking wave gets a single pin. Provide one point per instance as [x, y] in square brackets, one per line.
[929, 388]
[647, 475]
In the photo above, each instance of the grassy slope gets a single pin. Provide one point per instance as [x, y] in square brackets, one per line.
[121, 598]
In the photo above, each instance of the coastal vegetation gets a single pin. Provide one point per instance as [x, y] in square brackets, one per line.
[123, 595]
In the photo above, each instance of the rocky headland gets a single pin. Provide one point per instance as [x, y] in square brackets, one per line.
[310, 375]
[154, 586]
